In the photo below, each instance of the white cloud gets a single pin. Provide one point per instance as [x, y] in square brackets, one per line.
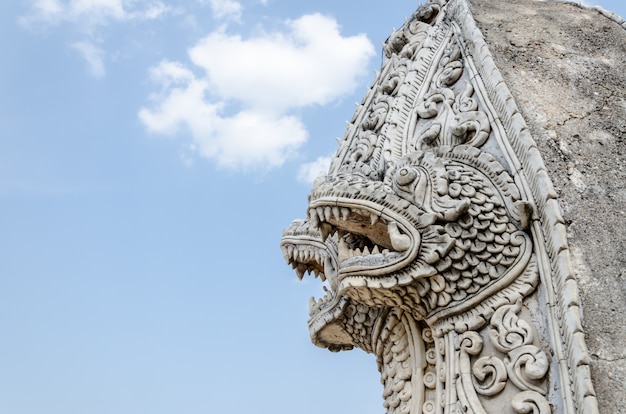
[226, 9]
[307, 173]
[90, 13]
[247, 139]
[154, 10]
[266, 77]
[186, 155]
[309, 64]
[90, 17]
[105, 8]
[93, 55]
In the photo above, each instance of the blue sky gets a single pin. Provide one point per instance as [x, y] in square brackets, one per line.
[151, 152]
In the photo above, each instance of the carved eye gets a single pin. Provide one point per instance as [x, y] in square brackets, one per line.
[406, 176]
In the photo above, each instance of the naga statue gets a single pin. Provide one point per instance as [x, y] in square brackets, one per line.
[440, 240]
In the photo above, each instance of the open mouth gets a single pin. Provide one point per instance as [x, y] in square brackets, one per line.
[368, 238]
[348, 243]
[304, 250]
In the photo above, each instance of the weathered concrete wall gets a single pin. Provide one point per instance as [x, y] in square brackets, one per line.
[566, 67]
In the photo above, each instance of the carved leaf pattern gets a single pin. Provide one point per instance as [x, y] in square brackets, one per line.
[530, 402]
[491, 375]
[451, 67]
[469, 343]
[448, 114]
[508, 331]
[527, 365]
[409, 39]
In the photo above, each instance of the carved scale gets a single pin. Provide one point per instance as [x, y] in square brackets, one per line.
[439, 236]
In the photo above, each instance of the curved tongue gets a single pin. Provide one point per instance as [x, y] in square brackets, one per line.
[400, 242]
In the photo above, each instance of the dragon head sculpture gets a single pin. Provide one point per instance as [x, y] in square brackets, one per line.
[439, 233]
[412, 215]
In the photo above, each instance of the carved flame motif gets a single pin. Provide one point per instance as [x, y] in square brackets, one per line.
[423, 237]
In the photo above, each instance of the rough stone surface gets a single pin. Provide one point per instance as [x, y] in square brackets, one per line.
[565, 66]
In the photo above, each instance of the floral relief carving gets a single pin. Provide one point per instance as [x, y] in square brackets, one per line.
[426, 234]
[490, 375]
[526, 364]
[449, 115]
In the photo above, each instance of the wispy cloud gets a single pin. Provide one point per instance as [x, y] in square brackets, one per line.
[308, 172]
[89, 18]
[244, 139]
[94, 57]
[267, 77]
[90, 13]
[226, 9]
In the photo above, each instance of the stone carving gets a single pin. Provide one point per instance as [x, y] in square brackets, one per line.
[437, 233]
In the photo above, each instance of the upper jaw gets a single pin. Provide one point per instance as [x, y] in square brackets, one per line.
[372, 239]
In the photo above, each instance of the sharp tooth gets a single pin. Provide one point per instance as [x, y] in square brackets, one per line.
[316, 272]
[323, 277]
[300, 272]
[326, 230]
[385, 251]
[374, 218]
[366, 251]
[311, 303]
[317, 257]
[343, 250]
[345, 213]
[357, 252]
[328, 213]
[290, 251]
[375, 250]
[315, 221]
[336, 213]
[400, 242]
[320, 213]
